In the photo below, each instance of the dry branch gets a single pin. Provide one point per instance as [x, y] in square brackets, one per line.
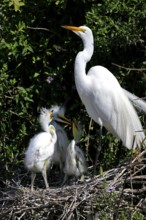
[130, 69]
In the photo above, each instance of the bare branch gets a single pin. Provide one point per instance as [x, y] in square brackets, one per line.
[130, 69]
[38, 28]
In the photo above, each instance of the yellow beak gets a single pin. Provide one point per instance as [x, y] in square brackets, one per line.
[51, 115]
[75, 130]
[74, 28]
[63, 119]
[74, 125]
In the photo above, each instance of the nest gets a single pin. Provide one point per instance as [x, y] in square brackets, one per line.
[115, 193]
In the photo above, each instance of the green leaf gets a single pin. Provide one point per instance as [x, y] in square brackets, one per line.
[17, 4]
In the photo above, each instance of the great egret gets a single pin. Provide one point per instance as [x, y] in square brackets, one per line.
[103, 96]
[75, 164]
[39, 154]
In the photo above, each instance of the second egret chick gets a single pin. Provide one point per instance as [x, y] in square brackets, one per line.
[75, 164]
[39, 154]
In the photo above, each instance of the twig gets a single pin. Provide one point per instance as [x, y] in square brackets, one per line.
[139, 156]
[135, 191]
[88, 139]
[138, 205]
[36, 28]
[130, 69]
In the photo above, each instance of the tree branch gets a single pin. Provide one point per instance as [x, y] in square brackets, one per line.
[39, 28]
[130, 69]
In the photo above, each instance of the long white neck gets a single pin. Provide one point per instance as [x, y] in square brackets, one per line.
[82, 58]
[44, 125]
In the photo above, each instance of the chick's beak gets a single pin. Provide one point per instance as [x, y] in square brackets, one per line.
[63, 119]
[73, 123]
[51, 115]
[75, 130]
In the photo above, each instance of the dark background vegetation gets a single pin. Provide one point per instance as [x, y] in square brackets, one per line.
[34, 48]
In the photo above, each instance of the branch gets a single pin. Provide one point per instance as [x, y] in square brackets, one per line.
[130, 69]
[35, 28]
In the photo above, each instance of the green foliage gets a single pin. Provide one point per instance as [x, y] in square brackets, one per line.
[17, 4]
[15, 103]
[138, 216]
[117, 24]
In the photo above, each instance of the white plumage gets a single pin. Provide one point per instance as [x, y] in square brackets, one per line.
[75, 164]
[39, 154]
[103, 96]
[62, 140]
[137, 102]
[45, 118]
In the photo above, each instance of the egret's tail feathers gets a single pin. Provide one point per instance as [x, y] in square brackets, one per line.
[138, 103]
[126, 125]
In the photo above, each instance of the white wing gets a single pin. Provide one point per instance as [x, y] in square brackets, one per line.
[108, 103]
[40, 148]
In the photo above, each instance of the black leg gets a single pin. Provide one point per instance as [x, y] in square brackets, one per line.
[98, 150]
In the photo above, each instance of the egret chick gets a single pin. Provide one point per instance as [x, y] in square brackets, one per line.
[51, 116]
[75, 164]
[39, 154]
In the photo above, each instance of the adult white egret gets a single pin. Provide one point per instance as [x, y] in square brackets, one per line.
[50, 116]
[39, 154]
[103, 96]
[75, 164]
